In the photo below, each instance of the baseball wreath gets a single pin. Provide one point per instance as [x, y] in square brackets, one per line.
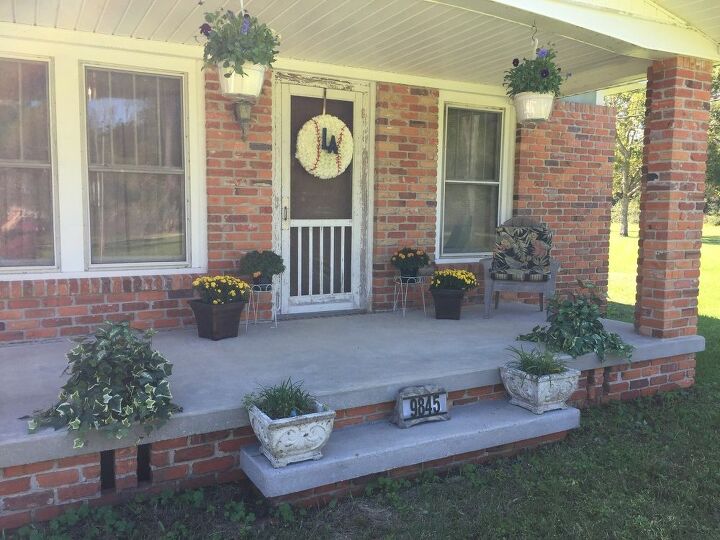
[324, 146]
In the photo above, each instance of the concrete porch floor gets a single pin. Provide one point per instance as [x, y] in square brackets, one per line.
[347, 361]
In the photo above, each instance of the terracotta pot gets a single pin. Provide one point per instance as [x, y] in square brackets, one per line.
[262, 280]
[448, 303]
[217, 321]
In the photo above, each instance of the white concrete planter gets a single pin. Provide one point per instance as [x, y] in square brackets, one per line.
[533, 106]
[288, 440]
[539, 394]
[247, 86]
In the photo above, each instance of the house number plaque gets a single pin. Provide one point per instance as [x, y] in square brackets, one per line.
[418, 404]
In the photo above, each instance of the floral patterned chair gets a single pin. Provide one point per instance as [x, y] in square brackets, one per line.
[521, 262]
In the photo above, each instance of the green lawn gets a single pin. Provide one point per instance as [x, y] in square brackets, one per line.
[647, 469]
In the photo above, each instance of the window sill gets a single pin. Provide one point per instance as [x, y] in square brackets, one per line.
[464, 259]
[95, 273]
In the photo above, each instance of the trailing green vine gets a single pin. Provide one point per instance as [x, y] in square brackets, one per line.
[575, 328]
[116, 380]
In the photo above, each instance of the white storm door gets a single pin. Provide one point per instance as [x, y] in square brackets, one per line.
[322, 220]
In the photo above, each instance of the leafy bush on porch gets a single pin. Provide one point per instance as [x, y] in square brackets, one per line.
[116, 380]
[575, 327]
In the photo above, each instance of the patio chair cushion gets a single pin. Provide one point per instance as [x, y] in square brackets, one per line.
[522, 253]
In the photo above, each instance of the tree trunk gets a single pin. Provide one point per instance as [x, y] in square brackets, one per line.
[624, 210]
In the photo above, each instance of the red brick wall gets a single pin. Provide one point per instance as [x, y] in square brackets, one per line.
[563, 176]
[45, 309]
[406, 135]
[239, 177]
[671, 205]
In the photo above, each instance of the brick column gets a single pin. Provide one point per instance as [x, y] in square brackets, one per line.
[672, 197]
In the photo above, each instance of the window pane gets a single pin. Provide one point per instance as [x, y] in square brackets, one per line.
[469, 218]
[26, 186]
[136, 159]
[137, 217]
[26, 217]
[472, 145]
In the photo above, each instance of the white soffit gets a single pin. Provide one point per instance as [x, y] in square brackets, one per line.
[469, 41]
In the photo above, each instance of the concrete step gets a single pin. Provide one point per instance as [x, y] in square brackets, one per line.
[377, 447]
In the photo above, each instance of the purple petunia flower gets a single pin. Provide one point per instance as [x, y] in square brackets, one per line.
[245, 25]
[516, 62]
[205, 29]
[542, 53]
[544, 73]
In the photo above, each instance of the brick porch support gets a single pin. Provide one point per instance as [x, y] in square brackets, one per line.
[672, 196]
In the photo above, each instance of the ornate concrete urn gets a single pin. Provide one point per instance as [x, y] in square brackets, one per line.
[539, 394]
[288, 440]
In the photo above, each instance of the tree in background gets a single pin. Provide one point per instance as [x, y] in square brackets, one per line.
[627, 170]
[712, 182]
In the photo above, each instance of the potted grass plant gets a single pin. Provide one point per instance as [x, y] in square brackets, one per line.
[289, 422]
[538, 381]
[534, 83]
[242, 48]
[409, 261]
[218, 310]
[448, 291]
[262, 266]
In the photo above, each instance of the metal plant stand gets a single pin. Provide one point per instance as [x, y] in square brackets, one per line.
[254, 302]
[402, 287]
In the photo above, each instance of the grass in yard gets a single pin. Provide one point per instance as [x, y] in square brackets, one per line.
[647, 469]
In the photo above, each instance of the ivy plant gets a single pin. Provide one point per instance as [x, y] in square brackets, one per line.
[235, 39]
[539, 74]
[116, 379]
[575, 327]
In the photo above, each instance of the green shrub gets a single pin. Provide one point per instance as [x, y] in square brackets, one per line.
[283, 400]
[536, 363]
[116, 379]
[261, 263]
[540, 74]
[575, 327]
[233, 40]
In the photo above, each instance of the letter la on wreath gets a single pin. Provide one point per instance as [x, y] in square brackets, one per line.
[324, 146]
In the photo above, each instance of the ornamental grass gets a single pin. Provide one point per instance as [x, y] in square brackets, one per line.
[221, 289]
[457, 280]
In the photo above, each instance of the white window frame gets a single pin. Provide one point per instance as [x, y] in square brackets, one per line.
[53, 163]
[70, 53]
[478, 102]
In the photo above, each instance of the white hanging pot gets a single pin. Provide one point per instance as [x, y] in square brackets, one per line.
[236, 86]
[533, 106]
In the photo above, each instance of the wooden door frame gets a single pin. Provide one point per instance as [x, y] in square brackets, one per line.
[363, 205]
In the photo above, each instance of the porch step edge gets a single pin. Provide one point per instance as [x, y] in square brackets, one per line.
[358, 451]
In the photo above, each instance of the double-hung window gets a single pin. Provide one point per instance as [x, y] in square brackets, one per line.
[471, 191]
[27, 236]
[136, 167]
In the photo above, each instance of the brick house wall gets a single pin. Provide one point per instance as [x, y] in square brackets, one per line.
[563, 176]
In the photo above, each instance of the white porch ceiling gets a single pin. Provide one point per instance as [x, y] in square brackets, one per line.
[463, 40]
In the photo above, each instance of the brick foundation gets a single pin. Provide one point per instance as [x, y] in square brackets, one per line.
[40, 491]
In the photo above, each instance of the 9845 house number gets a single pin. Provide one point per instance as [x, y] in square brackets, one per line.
[417, 404]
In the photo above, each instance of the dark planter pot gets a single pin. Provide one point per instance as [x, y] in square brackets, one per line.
[217, 321]
[262, 280]
[407, 275]
[448, 303]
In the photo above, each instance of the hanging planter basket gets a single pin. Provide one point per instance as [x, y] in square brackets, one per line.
[248, 86]
[533, 106]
